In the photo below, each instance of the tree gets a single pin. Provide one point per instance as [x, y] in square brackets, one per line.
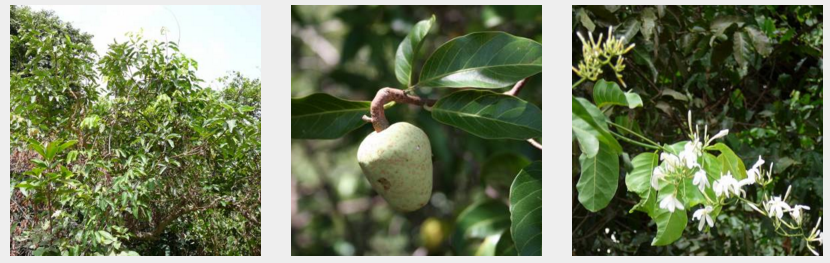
[149, 162]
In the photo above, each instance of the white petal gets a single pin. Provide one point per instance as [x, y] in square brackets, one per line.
[710, 221]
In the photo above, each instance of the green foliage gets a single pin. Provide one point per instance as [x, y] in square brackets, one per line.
[145, 161]
[492, 127]
[755, 70]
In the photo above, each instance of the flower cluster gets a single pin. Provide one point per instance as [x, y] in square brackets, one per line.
[596, 54]
[684, 164]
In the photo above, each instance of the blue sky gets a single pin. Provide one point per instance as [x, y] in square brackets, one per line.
[220, 38]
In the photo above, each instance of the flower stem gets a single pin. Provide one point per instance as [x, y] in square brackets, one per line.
[635, 142]
[577, 83]
[636, 134]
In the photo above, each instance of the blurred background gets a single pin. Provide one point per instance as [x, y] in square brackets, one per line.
[349, 52]
[772, 106]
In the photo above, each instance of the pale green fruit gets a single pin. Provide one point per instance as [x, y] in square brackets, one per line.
[398, 164]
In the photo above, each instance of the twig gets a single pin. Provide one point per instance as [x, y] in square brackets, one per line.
[516, 88]
[535, 143]
[386, 95]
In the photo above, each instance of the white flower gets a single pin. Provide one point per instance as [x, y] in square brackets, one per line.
[776, 207]
[703, 215]
[755, 172]
[796, 212]
[700, 180]
[657, 175]
[670, 202]
[671, 160]
[691, 151]
[726, 183]
[719, 135]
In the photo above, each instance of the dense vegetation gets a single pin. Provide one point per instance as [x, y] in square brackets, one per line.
[125, 153]
[754, 70]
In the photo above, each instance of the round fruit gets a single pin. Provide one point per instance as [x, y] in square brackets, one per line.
[398, 164]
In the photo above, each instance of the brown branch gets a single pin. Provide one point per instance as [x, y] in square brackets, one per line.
[386, 95]
[172, 217]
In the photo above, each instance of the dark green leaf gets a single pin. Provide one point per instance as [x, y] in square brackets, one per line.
[480, 220]
[598, 181]
[408, 51]
[526, 210]
[741, 48]
[482, 60]
[759, 40]
[490, 115]
[322, 116]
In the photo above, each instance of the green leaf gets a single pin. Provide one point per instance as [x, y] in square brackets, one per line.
[322, 116]
[587, 136]
[608, 93]
[643, 58]
[71, 156]
[480, 220]
[408, 51]
[720, 24]
[639, 180]
[759, 40]
[489, 115]
[38, 148]
[674, 94]
[598, 182]
[648, 23]
[585, 114]
[105, 237]
[526, 210]
[482, 60]
[585, 20]
[670, 225]
[647, 203]
[633, 99]
[690, 193]
[629, 30]
[506, 246]
[52, 149]
[65, 145]
[741, 48]
[501, 169]
[729, 161]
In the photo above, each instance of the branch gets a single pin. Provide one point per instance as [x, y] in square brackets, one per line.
[386, 95]
[516, 88]
[172, 217]
[535, 143]
[512, 92]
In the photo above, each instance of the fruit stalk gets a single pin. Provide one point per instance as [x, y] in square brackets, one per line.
[386, 95]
